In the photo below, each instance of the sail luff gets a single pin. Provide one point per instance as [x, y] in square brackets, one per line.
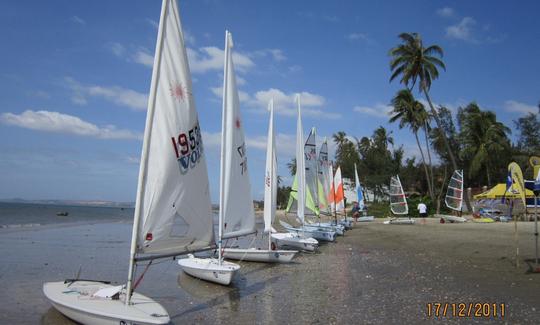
[300, 164]
[222, 152]
[269, 184]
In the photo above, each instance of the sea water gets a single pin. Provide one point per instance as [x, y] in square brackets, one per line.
[14, 215]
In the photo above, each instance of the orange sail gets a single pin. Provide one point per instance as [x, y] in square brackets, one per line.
[339, 196]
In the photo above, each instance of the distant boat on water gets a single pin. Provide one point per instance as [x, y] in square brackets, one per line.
[62, 214]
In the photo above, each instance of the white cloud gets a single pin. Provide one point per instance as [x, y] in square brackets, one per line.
[357, 36]
[515, 106]
[133, 159]
[118, 95]
[188, 37]
[39, 94]
[462, 30]
[276, 54]
[143, 57]
[295, 68]
[78, 20]
[446, 12]
[117, 49]
[62, 123]
[379, 110]
[211, 58]
[152, 23]
[242, 95]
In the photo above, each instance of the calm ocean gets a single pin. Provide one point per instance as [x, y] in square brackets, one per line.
[14, 215]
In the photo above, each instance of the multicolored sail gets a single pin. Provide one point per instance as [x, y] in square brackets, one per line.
[359, 192]
[312, 182]
[324, 179]
[398, 201]
[339, 196]
[454, 193]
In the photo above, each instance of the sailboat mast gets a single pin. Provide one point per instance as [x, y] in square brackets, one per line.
[316, 190]
[222, 161]
[144, 160]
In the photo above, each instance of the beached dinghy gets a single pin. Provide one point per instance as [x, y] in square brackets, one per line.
[270, 200]
[398, 203]
[454, 198]
[295, 240]
[173, 213]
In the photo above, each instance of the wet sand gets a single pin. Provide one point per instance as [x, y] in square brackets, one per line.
[375, 274]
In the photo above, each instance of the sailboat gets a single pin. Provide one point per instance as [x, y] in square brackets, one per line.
[313, 187]
[360, 196]
[454, 198]
[300, 179]
[236, 215]
[172, 212]
[398, 203]
[337, 198]
[270, 199]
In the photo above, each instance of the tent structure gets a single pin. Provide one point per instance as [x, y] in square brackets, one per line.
[498, 192]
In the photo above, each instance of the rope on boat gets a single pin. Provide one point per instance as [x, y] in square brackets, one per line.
[142, 275]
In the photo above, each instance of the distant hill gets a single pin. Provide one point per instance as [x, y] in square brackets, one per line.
[95, 203]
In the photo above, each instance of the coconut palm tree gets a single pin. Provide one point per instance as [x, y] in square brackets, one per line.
[292, 166]
[411, 113]
[418, 65]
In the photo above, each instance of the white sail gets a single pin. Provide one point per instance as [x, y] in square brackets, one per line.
[454, 193]
[332, 192]
[359, 192]
[310, 152]
[173, 211]
[300, 164]
[324, 183]
[270, 177]
[339, 195]
[236, 204]
[398, 201]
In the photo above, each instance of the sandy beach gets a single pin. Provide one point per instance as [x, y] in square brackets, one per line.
[375, 274]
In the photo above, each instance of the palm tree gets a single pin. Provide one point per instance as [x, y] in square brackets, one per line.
[410, 112]
[382, 137]
[418, 65]
[292, 166]
[484, 139]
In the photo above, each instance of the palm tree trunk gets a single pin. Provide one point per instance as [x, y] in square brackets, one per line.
[438, 121]
[446, 144]
[430, 188]
[429, 159]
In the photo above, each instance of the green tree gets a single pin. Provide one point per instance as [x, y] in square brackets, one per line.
[292, 166]
[485, 141]
[418, 65]
[528, 140]
[411, 113]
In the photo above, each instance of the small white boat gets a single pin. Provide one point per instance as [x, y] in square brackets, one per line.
[259, 255]
[450, 219]
[319, 234]
[346, 222]
[326, 226]
[209, 269]
[295, 240]
[399, 221]
[78, 301]
[366, 219]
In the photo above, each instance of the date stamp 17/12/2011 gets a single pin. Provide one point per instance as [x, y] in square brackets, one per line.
[470, 309]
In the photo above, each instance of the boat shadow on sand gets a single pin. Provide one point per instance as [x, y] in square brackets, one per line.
[218, 294]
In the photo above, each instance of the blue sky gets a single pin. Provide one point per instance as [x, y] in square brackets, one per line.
[74, 78]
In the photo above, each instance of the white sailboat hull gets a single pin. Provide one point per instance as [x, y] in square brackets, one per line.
[366, 219]
[327, 226]
[399, 221]
[209, 269]
[451, 219]
[323, 235]
[76, 302]
[294, 240]
[259, 255]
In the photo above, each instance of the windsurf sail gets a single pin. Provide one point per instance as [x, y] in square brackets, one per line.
[398, 201]
[454, 193]
[324, 179]
[358, 187]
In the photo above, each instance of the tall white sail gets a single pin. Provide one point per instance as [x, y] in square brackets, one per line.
[300, 164]
[310, 151]
[172, 212]
[454, 193]
[339, 195]
[398, 201]
[236, 204]
[324, 180]
[359, 192]
[270, 175]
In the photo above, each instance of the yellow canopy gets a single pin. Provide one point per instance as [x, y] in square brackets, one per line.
[498, 190]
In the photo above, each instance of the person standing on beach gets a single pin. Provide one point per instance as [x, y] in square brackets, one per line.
[355, 211]
[422, 209]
